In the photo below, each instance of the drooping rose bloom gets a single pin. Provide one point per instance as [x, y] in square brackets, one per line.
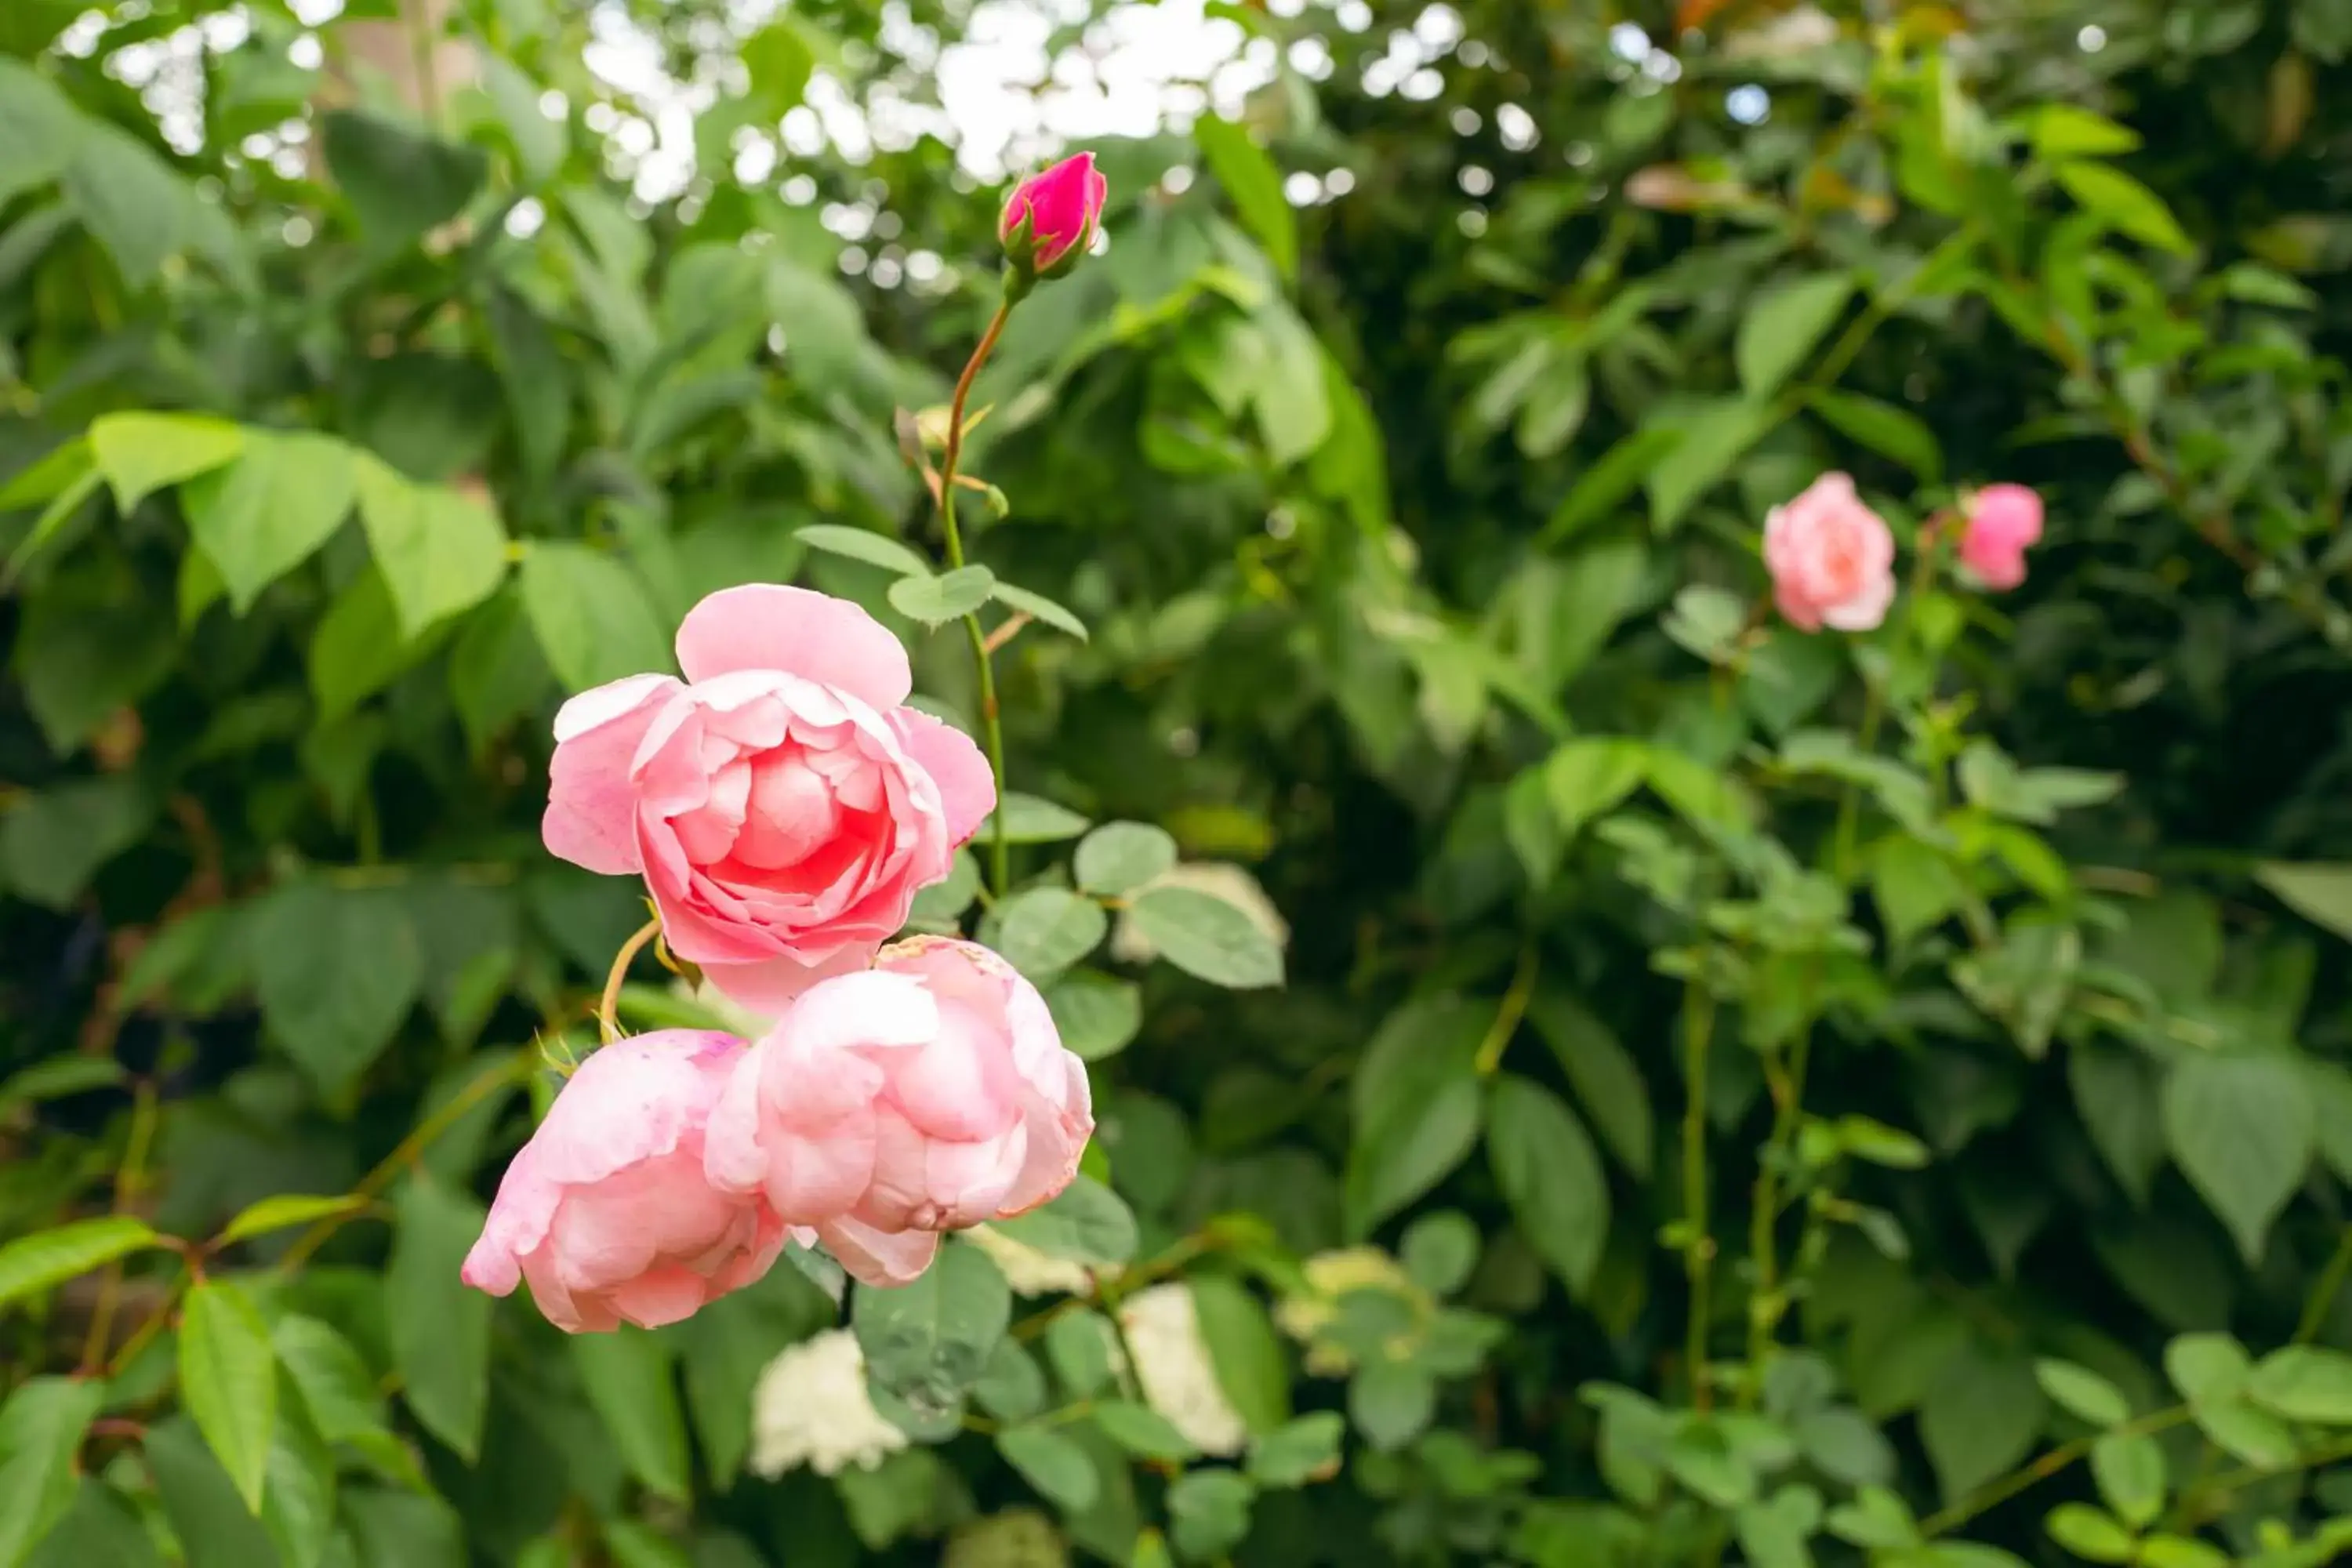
[607, 1212]
[782, 804]
[1061, 207]
[2002, 521]
[928, 1094]
[1832, 558]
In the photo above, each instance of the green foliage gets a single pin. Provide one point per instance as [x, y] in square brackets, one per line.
[1711, 1094]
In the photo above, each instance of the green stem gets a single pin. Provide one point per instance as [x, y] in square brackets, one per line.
[1000, 855]
[1765, 1308]
[129, 1183]
[1698, 1247]
[1506, 1019]
[1998, 1492]
[2323, 1293]
[608, 1007]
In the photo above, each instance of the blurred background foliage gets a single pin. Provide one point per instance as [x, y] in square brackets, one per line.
[372, 375]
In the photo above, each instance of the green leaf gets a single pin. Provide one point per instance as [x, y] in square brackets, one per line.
[143, 453]
[1439, 1251]
[2125, 204]
[626, 1374]
[2321, 894]
[779, 62]
[86, 647]
[1242, 1350]
[267, 511]
[2305, 1382]
[928, 1342]
[52, 843]
[2063, 130]
[1602, 1074]
[336, 970]
[39, 130]
[60, 1077]
[1208, 938]
[1086, 1221]
[1143, 1431]
[2208, 1368]
[1038, 607]
[1551, 1176]
[1012, 1388]
[1079, 1344]
[726, 1346]
[2089, 1534]
[1031, 820]
[951, 595]
[1915, 886]
[864, 544]
[1392, 1403]
[2083, 1391]
[1209, 1513]
[228, 1376]
[215, 1527]
[1781, 329]
[1043, 931]
[1979, 1418]
[1411, 1140]
[1299, 1451]
[439, 552]
[1714, 436]
[32, 1264]
[1584, 779]
[1053, 1463]
[440, 1328]
[358, 650]
[129, 200]
[2242, 1130]
[1615, 474]
[2128, 1469]
[400, 182]
[99, 1526]
[1254, 185]
[591, 615]
[43, 1423]
[284, 1210]
[1120, 857]
[337, 1390]
[1098, 1017]
[1889, 431]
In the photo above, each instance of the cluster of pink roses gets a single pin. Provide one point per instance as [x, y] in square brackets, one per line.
[1832, 558]
[784, 806]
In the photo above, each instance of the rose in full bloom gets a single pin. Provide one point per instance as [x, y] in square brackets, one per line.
[782, 803]
[2002, 521]
[927, 1094]
[607, 1212]
[1050, 219]
[1832, 558]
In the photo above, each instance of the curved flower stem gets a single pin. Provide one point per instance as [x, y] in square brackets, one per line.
[607, 1009]
[991, 723]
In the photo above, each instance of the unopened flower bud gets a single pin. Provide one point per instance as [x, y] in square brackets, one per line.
[1050, 219]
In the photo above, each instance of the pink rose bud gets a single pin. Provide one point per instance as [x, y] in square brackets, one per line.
[927, 1094]
[1832, 558]
[607, 1212]
[2002, 521]
[784, 805]
[1051, 217]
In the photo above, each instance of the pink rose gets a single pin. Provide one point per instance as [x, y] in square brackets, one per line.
[1061, 208]
[782, 805]
[607, 1212]
[2002, 519]
[927, 1094]
[1832, 558]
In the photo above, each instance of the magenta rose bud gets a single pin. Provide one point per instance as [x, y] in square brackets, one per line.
[1051, 217]
[606, 1211]
[1832, 558]
[2002, 521]
[782, 803]
[927, 1094]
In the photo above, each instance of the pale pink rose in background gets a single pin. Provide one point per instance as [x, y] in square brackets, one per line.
[927, 1094]
[784, 806]
[2002, 521]
[1062, 205]
[1832, 558]
[607, 1212]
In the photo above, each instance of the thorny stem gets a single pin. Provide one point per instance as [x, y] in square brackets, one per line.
[1698, 1247]
[129, 1183]
[608, 1008]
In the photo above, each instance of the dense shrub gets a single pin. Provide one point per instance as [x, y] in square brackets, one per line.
[1732, 1093]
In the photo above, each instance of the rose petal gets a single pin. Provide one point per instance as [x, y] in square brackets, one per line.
[765, 625]
[591, 801]
[967, 787]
